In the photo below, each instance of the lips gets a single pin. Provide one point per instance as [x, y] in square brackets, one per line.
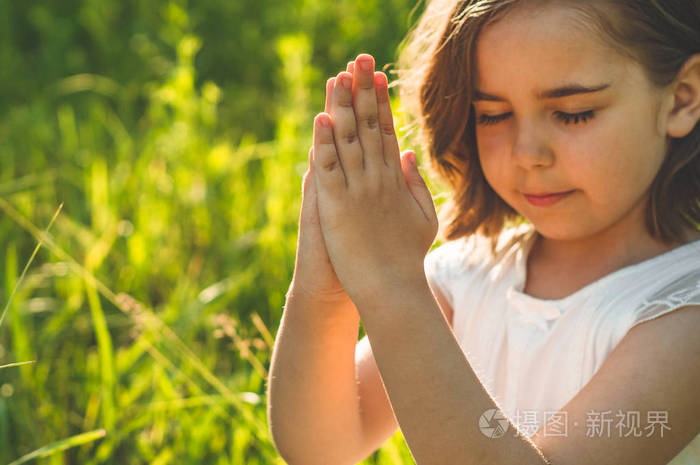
[548, 194]
[546, 199]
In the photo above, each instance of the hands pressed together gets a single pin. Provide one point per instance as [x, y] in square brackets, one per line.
[367, 217]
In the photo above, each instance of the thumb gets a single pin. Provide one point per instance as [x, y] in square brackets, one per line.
[416, 184]
[309, 208]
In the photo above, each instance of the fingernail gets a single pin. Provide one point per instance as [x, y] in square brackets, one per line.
[366, 65]
[323, 121]
[412, 158]
[380, 79]
[346, 82]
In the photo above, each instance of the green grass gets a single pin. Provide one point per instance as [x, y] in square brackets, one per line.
[59, 446]
[138, 319]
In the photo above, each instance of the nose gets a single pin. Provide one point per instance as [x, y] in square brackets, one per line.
[531, 147]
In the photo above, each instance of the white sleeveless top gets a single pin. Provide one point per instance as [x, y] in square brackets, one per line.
[533, 355]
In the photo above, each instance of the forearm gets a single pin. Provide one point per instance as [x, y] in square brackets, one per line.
[313, 404]
[436, 396]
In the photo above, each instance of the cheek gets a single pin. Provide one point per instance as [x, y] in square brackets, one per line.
[492, 159]
[595, 161]
[493, 148]
[617, 159]
[492, 140]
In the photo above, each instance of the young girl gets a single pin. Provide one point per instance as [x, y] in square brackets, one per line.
[559, 321]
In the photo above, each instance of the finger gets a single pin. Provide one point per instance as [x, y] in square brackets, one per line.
[351, 67]
[309, 211]
[344, 127]
[365, 105]
[327, 166]
[307, 186]
[418, 188]
[392, 154]
[330, 83]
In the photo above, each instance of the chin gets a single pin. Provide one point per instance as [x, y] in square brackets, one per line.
[558, 231]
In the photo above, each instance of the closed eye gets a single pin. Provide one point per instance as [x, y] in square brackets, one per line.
[566, 118]
[487, 120]
[575, 117]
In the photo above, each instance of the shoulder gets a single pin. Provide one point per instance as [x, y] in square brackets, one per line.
[682, 291]
[442, 267]
[677, 328]
[653, 373]
[445, 260]
[458, 259]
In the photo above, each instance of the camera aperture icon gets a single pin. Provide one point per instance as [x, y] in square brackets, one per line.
[493, 423]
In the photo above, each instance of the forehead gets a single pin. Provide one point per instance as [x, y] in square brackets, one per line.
[539, 47]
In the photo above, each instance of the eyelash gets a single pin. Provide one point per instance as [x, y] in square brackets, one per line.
[566, 118]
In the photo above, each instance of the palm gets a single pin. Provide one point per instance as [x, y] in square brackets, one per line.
[314, 274]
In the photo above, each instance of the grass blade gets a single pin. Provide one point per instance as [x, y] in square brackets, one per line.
[105, 351]
[26, 267]
[61, 445]
[16, 364]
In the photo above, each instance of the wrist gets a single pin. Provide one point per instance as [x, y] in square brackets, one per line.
[393, 288]
[327, 303]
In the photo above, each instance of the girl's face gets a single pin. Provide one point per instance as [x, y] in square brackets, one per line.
[539, 131]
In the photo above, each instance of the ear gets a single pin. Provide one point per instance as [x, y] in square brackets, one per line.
[685, 111]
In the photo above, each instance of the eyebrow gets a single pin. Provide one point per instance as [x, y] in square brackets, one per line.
[559, 92]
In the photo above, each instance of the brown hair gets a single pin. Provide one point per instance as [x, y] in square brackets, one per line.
[660, 34]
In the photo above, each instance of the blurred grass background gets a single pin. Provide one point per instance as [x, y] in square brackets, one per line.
[175, 135]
